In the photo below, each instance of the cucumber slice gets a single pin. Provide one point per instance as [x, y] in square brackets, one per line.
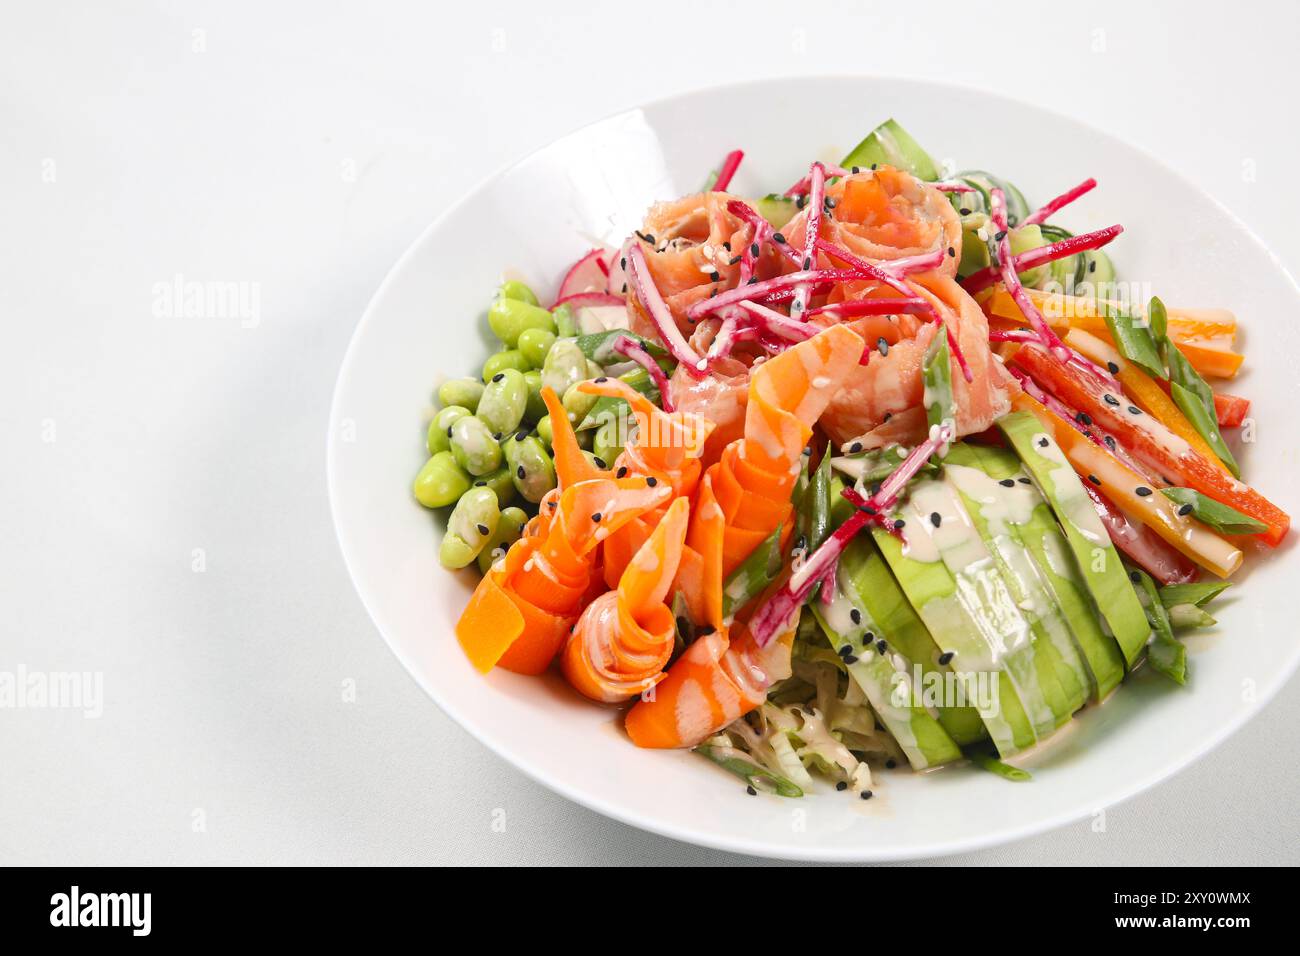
[891, 145]
[777, 210]
[1082, 274]
[1093, 659]
[954, 585]
[885, 677]
[1102, 570]
[869, 581]
[980, 201]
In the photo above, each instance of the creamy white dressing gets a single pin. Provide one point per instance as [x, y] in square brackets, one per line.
[1071, 498]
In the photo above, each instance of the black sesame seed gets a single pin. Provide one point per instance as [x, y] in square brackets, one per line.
[1083, 418]
[1110, 399]
[625, 287]
[1142, 491]
[596, 516]
[855, 170]
[964, 211]
[1092, 266]
[482, 529]
[777, 237]
[652, 481]
[882, 645]
[952, 253]
[600, 462]
[1007, 482]
[936, 519]
[945, 658]
[753, 249]
[1185, 510]
[1110, 442]
[1043, 443]
[521, 473]
[622, 263]
[807, 263]
[855, 616]
[865, 795]
[751, 791]
[898, 525]
[868, 638]
[887, 417]
[1024, 481]
[622, 472]
[1000, 235]
[498, 376]
[602, 380]
[1134, 410]
[734, 259]
[873, 167]
[855, 448]
[448, 431]
[1113, 367]
[1135, 577]
[891, 763]
[715, 276]
[844, 651]
[727, 245]
[850, 659]
[480, 483]
[1094, 479]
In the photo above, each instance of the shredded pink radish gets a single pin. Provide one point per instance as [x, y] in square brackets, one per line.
[639, 272]
[773, 322]
[624, 345]
[774, 615]
[910, 264]
[952, 187]
[1040, 216]
[845, 310]
[979, 281]
[802, 186]
[998, 215]
[1142, 545]
[1092, 432]
[812, 230]
[898, 285]
[777, 284]
[729, 167]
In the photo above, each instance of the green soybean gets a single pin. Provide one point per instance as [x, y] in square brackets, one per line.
[509, 527]
[514, 289]
[474, 446]
[440, 482]
[535, 343]
[510, 358]
[504, 400]
[464, 392]
[510, 317]
[544, 430]
[472, 523]
[440, 428]
[566, 324]
[594, 369]
[499, 481]
[578, 404]
[564, 367]
[530, 466]
[536, 407]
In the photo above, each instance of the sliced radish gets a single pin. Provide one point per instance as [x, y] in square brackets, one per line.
[588, 274]
[617, 281]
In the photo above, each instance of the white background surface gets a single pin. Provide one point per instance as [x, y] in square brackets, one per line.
[302, 148]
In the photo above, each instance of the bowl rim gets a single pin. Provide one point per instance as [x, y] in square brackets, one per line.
[758, 847]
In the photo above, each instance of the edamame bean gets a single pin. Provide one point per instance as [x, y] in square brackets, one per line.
[578, 405]
[500, 482]
[509, 527]
[510, 358]
[535, 343]
[566, 323]
[440, 428]
[564, 367]
[472, 523]
[464, 392]
[536, 407]
[509, 317]
[440, 482]
[605, 445]
[544, 430]
[514, 289]
[531, 468]
[504, 399]
[474, 446]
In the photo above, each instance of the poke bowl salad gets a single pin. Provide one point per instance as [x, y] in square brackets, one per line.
[883, 471]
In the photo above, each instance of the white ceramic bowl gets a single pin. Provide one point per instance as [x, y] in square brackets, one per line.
[426, 324]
